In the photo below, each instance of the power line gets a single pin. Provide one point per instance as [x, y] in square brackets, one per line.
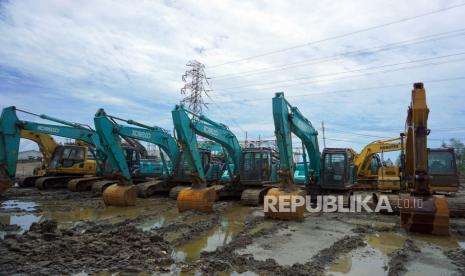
[358, 134]
[344, 90]
[318, 60]
[353, 76]
[344, 140]
[354, 71]
[341, 35]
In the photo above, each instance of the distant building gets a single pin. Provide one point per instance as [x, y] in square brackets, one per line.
[29, 155]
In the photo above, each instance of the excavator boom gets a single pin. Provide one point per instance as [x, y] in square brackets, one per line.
[110, 133]
[199, 196]
[46, 143]
[420, 212]
[288, 120]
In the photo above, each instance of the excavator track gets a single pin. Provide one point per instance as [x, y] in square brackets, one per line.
[83, 183]
[456, 204]
[174, 192]
[28, 181]
[99, 187]
[49, 182]
[253, 196]
[147, 189]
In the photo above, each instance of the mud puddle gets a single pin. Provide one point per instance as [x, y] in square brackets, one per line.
[18, 216]
[17, 205]
[375, 257]
[231, 223]
[67, 214]
[299, 241]
[159, 220]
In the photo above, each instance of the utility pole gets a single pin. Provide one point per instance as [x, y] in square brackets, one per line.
[324, 138]
[195, 83]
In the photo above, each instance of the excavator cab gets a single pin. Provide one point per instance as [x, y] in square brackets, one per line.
[182, 172]
[258, 166]
[338, 170]
[72, 159]
[442, 170]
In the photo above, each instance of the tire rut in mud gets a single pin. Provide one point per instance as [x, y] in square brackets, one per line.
[401, 257]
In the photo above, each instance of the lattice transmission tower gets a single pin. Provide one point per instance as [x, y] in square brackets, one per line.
[195, 86]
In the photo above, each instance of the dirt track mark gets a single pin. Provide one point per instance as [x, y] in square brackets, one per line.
[400, 258]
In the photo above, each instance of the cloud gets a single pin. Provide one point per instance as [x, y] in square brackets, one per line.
[69, 58]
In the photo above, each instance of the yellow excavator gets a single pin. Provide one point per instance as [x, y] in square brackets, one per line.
[66, 162]
[371, 173]
[56, 158]
[420, 210]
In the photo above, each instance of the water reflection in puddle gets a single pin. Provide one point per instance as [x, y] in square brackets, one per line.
[374, 258]
[231, 224]
[23, 221]
[160, 220]
[19, 205]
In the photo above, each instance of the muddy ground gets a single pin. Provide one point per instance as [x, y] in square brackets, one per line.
[60, 232]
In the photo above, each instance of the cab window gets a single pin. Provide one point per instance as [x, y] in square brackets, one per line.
[441, 163]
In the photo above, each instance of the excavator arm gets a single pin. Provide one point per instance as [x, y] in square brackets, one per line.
[199, 196]
[363, 160]
[110, 133]
[9, 146]
[187, 137]
[223, 136]
[420, 212]
[288, 120]
[45, 142]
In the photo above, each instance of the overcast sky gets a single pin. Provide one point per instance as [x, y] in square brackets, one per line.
[350, 64]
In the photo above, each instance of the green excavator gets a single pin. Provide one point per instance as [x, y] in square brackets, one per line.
[123, 192]
[332, 171]
[251, 171]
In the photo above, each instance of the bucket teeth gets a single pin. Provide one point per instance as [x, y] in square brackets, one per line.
[428, 215]
[275, 213]
[120, 195]
[196, 199]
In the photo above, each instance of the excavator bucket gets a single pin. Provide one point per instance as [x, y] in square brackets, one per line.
[196, 199]
[286, 213]
[428, 214]
[120, 195]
